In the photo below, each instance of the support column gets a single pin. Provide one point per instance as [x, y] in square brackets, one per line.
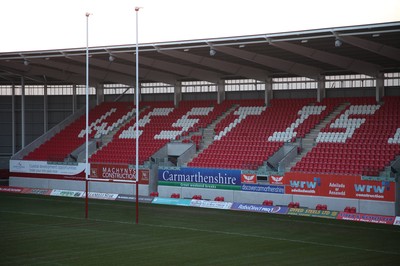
[380, 87]
[45, 109]
[99, 94]
[221, 91]
[13, 119]
[268, 91]
[74, 99]
[22, 113]
[177, 93]
[321, 92]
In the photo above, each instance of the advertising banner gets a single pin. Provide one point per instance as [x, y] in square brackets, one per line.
[10, 189]
[200, 177]
[369, 218]
[276, 180]
[101, 195]
[37, 191]
[342, 186]
[118, 172]
[50, 168]
[313, 213]
[211, 204]
[249, 178]
[172, 201]
[397, 221]
[130, 198]
[264, 188]
[258, 208]
[67, 193]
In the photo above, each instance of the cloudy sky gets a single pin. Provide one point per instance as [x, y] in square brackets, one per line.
[54, 24]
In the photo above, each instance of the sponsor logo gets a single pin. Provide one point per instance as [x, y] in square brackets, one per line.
[99, 195]
[337, 189]
[277, 180]
[369, 218]
[258, 208]
[211, 204]
[11, 189]
[372, 191]
[264, 188]
[249, 178]
[308, 187]
[144, 176]
[372, 188]
[38, 191]
[201, 175]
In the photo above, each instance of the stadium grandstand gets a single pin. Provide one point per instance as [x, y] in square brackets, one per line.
[309, 117]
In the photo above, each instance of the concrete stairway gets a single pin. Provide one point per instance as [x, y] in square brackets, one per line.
[209, 133]
[308, 142]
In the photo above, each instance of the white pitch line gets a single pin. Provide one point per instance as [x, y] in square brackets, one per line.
[213, 232]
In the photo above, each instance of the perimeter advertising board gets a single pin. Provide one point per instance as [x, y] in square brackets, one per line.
[259, 208]
[200, 178]
[340, 186]
[368, 218]
[48, 168]
[118, 172]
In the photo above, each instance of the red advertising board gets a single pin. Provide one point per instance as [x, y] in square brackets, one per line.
[369, 218]
[249, 178]
[276, 180]
[118, 172]
[341, 186]
[11, 189]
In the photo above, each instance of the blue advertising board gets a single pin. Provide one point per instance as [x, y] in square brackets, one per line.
[259, 208]
[276, 189]
[206, 176]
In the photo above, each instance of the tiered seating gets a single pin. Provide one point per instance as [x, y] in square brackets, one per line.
[251, 133]
[361, 140]
[158, 124]
[62, 144]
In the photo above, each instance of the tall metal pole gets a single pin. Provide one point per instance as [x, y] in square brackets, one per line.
[137, 115]
[87, 119]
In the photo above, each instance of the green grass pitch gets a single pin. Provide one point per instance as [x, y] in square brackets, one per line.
[37, 230]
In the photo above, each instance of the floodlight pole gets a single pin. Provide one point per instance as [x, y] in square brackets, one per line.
[87, 119]
[137, 116]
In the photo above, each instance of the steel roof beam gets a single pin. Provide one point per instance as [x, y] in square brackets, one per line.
[231, 68]
[273, 62]
[332, 59]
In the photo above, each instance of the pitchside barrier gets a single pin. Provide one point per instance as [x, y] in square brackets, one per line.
[235, 206]
[337, 191]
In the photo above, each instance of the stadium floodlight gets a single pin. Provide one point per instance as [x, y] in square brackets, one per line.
[87, 119]
[212, 52]
[338, 43]
[137, 114]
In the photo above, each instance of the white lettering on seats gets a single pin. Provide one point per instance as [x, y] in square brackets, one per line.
[396, 138]
[130, 133]
[94, 125]
[290, 133]
[242, 112]
[350, 124]
[184, 123]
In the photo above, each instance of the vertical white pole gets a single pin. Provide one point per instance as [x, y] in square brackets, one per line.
[137, 115]
[87, 116]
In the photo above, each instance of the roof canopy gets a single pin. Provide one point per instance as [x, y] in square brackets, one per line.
[366, 49]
